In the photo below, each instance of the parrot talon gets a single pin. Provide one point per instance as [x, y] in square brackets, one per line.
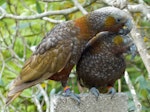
[111, 91]
[95, 92]
[68, 93]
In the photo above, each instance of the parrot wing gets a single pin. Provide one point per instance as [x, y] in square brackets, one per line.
[41, 66]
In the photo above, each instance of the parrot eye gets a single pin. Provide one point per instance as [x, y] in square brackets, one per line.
[118, 20]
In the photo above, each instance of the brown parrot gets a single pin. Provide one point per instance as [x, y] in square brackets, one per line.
[61, 48]
[102, 62]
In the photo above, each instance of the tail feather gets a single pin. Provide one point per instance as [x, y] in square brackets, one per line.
[11, 98]
[16, 90]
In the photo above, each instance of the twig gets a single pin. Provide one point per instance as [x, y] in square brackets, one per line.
[77, 4]
[53, 0]
[4, 108]
[37, 103]
[3, 65]
[132, 90]
[2, 11]
[41, 15]
[119, 85]
[46, 98]
[11, 69]
[52, 20]
[27, 6]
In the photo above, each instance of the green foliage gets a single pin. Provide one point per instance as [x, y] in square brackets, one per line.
[2, 2]
[38, 7]
[147, 1]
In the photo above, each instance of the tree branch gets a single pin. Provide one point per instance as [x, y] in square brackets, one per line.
[37, 103]
[140, 8]
[77, 4]
[132, 90]
[116, 3]
[46, 98]
[51, 0]
[141, 47]
[4, 14]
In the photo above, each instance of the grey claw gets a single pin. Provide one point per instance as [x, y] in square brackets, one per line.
[95, 92]
[76, 97]
[111, 91]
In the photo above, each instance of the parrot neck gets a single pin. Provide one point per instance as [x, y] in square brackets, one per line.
[86, 33]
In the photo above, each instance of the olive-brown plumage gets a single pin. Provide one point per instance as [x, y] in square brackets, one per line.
[61, 48]
[102, 62]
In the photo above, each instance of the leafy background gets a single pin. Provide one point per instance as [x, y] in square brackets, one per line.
[18, 37]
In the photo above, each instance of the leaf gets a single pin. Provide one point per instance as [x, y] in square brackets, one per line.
[1, 83]
[147, 1]
[23, 25]
[141, 80]
[2, 2]
[38, 7]
[43, 85]
[143, 93]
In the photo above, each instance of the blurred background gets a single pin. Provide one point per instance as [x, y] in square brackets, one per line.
[23, 24]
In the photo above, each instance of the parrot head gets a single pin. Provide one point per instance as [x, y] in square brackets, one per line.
[110, 19]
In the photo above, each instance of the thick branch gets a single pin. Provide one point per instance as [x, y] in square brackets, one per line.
[116, 3]
[140, 8]
[141, 47]
[143, 8]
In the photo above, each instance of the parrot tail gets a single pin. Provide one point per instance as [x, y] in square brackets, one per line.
[10, 98]
[17, 87]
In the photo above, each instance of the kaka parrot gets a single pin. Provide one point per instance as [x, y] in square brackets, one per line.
[61, 48]
[102, 62]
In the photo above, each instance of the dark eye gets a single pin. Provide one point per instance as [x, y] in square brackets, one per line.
[118, 20]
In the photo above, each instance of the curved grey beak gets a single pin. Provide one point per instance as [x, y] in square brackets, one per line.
[128, 42]
[127, 27]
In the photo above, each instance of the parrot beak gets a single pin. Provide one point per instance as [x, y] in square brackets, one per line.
[132, 49]
[127, 27]
[127, 40]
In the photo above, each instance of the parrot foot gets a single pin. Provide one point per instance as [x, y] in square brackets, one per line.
[70, 94]
[112, 91]
[95, 92]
